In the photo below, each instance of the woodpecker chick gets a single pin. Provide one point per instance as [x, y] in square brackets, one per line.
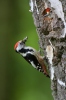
[46, 12]
[48, 18]
[31, 56]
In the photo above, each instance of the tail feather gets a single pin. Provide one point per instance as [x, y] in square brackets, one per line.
[45, 71]
[47, 75]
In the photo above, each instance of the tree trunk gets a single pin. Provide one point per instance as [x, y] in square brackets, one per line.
[52, 39]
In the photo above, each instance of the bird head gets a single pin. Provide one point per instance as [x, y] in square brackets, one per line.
[46, 12]
[20, 44]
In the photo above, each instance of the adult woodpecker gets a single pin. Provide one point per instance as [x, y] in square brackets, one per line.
[31, 56]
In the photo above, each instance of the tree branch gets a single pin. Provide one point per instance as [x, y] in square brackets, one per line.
[51, 33]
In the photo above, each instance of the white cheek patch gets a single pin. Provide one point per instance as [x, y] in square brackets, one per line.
[18, 48]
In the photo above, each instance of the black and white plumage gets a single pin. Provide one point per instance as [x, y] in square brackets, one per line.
[31, 55]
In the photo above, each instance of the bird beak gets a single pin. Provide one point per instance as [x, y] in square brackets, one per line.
[25, 39]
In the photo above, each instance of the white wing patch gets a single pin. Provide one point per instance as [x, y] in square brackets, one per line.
[32, 64]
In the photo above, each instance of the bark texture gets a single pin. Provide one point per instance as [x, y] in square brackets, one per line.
[45, 33]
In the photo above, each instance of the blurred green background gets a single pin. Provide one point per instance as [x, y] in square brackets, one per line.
[18, 79]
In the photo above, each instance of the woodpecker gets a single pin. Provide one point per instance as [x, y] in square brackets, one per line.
[46, 12]
[48, 18]
[31, 55]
